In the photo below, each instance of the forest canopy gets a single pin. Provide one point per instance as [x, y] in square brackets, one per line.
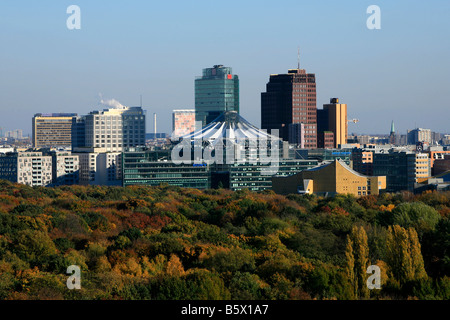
[172, 243]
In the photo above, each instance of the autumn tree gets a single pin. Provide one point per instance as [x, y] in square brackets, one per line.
[357, 256]
[403, 254]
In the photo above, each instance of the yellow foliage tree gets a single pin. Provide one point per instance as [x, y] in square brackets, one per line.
[404, 256]
[357, 255]
[174, 266]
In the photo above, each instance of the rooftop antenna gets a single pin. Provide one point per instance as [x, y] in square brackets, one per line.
[141, 100]
[298, 57]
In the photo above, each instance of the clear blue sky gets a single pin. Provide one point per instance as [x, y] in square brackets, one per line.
[156, 48]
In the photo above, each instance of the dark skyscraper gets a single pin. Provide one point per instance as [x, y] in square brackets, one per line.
[216, 91]
[289, 99]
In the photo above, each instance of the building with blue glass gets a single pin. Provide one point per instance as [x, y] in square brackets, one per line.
[216, 92]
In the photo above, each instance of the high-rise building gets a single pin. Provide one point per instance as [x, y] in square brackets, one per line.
[333, 118]
[419, 135]
[78, 132]
[114, 129]
[99, 139]
[52, 130]
[183, 122]
[291, 98]
[216, 92]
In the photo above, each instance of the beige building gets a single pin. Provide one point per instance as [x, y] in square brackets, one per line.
[115, 129]
[337, 121]
[330, 179]
[52, 130]
[423, 169]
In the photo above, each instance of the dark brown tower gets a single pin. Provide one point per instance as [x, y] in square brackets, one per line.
[291, 98]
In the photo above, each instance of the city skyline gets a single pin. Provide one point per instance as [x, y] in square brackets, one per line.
[379, 73]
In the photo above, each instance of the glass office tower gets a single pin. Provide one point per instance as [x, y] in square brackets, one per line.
[216, 91]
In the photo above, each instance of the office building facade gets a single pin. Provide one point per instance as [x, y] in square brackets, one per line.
[216, 92]
[333, 118]
[419, 135]
[29, 168]
[52, 130]
[98, 167]
[65, 168]
[115, 129]
[362, 160]
[402, 168]
[153, 168]
[289, 99]
[246, 175]
[325, 140]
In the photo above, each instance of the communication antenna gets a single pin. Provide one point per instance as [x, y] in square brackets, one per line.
[141, 100]
[298, 57]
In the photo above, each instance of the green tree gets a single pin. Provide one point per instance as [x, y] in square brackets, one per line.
[34, 246]
[357, 255]
[403, 254]
[416, 215]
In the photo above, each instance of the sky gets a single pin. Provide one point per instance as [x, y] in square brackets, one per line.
[126, 49]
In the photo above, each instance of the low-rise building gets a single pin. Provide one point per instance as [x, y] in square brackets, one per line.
[29, 168]
[402, 168]
[329, 179]
[146, 167]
